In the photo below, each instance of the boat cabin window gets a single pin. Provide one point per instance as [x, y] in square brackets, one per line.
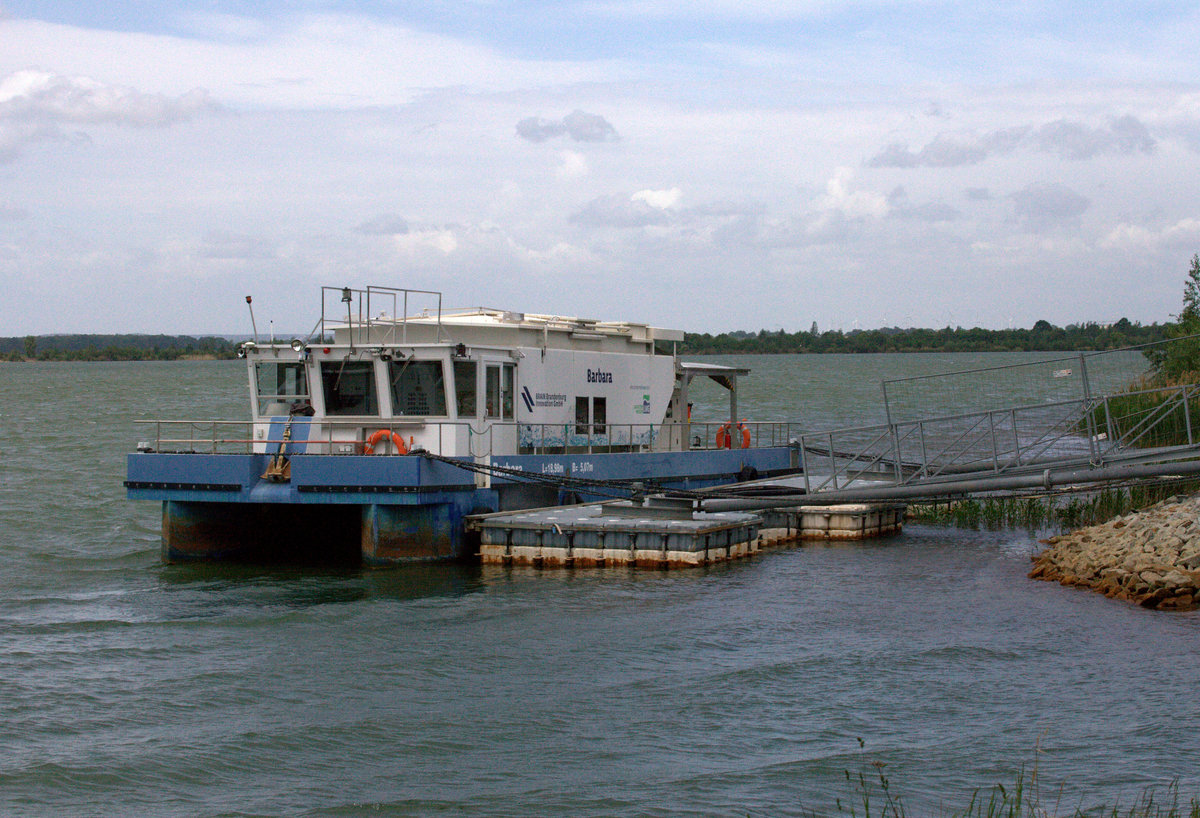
[349, 388]
[591, 416]
[418, 387]
[464, 388]
[281, 386]
[499, 388]
[582, 416]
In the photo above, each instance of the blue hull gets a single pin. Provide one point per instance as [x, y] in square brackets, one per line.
[386, 509]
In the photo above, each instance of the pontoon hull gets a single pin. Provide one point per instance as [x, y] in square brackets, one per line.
[384, 510]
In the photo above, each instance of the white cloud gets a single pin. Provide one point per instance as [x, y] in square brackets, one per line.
[559, 252]
[41, 96]
[572, 165]
[1138, 238]
[345, 122]
[35, 106]
[442, 240]
[854, 203]
[662, 199]
[620, 210]
[309, 60]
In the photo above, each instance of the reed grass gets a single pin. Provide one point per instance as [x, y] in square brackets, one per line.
[1139, 414]
[872, 795]
[1063, 511]
[1142, 415]
[875, 798]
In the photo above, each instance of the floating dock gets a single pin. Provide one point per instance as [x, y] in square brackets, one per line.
[655, 534]
[665, 532]
[857, 521]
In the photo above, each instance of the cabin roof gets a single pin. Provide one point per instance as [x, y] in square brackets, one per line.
[490, 317]
[711, 370]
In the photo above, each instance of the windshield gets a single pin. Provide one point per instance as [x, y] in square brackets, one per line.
[349, 388]
[281, 386]
[418, 387]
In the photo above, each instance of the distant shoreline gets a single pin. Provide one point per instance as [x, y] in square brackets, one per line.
[1042, 337]
[67, 360]
[94, 347]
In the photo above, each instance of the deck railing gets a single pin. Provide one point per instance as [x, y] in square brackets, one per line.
[390, 307]
[346, 437]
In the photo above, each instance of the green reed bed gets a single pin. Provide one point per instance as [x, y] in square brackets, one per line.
[877, 799]
[1039, 512]
[871, 794]
[1151, 412]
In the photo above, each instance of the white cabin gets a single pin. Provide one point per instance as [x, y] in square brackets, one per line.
[473, 382]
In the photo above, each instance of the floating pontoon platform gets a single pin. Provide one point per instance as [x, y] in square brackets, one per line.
[665, 532]
[857, 521]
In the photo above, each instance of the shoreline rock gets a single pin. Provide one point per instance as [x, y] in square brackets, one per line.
[1150, 557]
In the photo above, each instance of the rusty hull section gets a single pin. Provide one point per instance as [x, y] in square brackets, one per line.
[211, 532]
[397, 534]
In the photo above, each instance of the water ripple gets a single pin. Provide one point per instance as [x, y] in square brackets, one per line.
[743, 689]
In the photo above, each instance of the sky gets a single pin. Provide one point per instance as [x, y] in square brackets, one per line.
[708, 165]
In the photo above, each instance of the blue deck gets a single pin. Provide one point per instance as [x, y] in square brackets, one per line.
[237, 478]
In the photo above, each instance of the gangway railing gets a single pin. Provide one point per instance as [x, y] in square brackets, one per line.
[1133, 425]
[993, 442]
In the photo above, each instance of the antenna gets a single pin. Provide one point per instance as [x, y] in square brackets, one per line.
[253, 326]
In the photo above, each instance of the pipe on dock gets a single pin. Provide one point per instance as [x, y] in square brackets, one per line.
[1046, 479]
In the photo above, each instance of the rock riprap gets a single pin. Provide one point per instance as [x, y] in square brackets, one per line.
[1150, 557]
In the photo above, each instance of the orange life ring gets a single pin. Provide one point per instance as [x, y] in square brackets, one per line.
[397, 442]
[725, 440]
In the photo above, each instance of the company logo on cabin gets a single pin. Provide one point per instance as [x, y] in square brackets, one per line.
[534, 399]
[599, 376]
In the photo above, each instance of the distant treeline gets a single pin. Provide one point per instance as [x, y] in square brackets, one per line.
[1044, 336]
[114, 347]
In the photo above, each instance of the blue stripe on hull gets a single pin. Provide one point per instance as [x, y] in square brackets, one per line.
[410, 508]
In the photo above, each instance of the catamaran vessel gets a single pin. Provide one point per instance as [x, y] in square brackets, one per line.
[393, 421]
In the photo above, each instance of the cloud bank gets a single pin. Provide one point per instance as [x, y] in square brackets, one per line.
[578, 125]
[1042, 207]
[1063, 138]
[37, 105]
[836, 175]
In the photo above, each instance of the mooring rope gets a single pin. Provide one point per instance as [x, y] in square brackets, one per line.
[617, 489]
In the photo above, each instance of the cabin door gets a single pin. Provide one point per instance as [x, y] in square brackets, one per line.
[499, 389]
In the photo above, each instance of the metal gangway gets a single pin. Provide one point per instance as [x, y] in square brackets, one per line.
[1084, 420]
